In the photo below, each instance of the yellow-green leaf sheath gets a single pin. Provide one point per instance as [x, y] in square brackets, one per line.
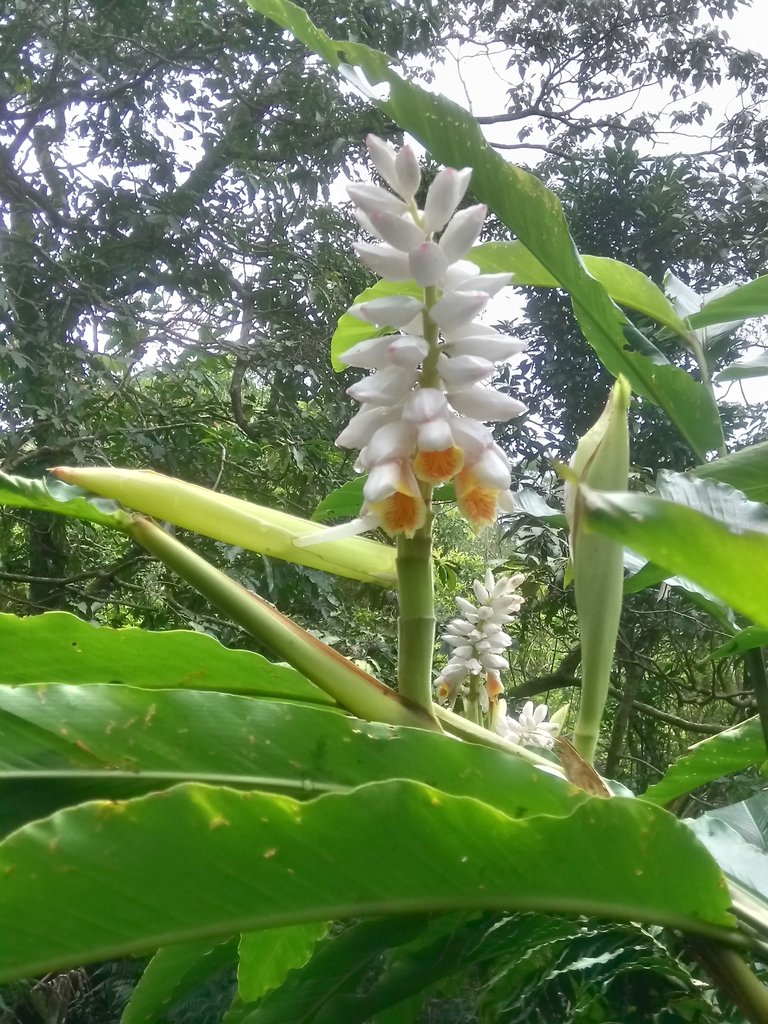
[601, 461]
[235, 521]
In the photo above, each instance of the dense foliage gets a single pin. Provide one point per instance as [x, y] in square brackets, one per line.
[174, 258]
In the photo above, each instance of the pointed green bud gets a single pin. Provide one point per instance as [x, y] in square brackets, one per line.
[601, 462]
[558, 717]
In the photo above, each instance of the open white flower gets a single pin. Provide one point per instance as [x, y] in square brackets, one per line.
[531, 728]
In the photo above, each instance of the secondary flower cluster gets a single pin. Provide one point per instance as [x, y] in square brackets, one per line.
[531, 729]
[478, 639]
[478, 642]
[424, 405]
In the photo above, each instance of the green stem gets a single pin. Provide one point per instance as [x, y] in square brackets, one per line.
[354, 689]
[416, 623]
[734, 977]
[415, 577]
[463, 729]
[598, 586]
[474, 711]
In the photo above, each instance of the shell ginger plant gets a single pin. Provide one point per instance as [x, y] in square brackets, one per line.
[243, 799]
[425, 405]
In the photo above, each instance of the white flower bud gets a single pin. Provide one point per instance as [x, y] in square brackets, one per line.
[492, 470]
[392, 441]
[424, 404]
[444, 195]
[460, 371]
[372, 199]
[457, 308]
[463, 231]
[407, 351]
[401, 232]
[383, 156]
[460, 276]
[384, 260]
[385, 387]
[485, 404]
[370, 354]
[435, 436]
[427, 263]
[408, 173]
[391, 311]
[386, 478]
[497, 350]
[361, 428]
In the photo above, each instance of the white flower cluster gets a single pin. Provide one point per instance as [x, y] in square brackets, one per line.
[424, 404]
[531, 729]
[478, 638]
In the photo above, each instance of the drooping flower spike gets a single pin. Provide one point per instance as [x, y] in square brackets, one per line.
[478, 641]
[424, 404]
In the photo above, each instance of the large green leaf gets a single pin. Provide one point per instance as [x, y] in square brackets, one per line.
[745, 301]
[109, 879]
[335, 973]
[60, 744]
[712, 498]
[60, 648]
[737, 837]
[267, 956]
[625, 285]
[745, 640]
[173, 973]
[50, 495]
[535, 216]
[730, 751]
[746, 470]
[744, 369]
[730, 563]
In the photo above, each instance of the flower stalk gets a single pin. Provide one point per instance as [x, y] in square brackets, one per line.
[416, 620]
[415, 572]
